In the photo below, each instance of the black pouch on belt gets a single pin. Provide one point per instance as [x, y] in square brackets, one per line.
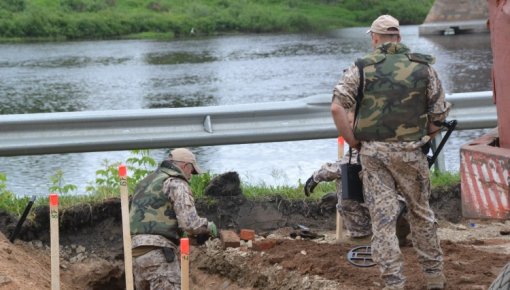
[352, 187]
[169, 254]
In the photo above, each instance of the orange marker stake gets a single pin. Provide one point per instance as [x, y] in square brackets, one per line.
[184, 264]
[126, 232]
[341, 143]
[339, 221]
[54, 240]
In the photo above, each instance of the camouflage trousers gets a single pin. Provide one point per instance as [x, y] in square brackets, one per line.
[385, 175]
[355, 216]
[153, 272]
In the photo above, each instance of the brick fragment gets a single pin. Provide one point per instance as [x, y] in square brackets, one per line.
[263, 245]
[247, 235]
[229, 239]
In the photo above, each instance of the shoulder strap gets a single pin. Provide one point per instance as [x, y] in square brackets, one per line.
[359, 96]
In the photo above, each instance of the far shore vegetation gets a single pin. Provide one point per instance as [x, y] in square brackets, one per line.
[59, 20]
[106, 186]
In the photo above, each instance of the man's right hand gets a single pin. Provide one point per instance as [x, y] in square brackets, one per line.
[213, 230]
[310, 186]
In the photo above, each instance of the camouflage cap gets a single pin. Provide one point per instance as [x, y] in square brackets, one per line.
[185, 155]
[385, 24]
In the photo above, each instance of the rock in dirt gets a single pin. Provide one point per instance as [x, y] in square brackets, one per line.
[226, 184]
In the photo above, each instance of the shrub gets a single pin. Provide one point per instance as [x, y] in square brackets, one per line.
[86, 5]
[13, 5]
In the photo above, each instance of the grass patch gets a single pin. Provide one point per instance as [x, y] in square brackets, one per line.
[151, 35]
[440, 179]
[106, 186]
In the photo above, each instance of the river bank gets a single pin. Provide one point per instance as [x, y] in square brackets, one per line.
[31, 20]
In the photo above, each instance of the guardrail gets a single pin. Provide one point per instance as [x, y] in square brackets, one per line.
[303, 119]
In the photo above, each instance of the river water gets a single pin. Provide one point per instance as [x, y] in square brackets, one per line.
[134, 74]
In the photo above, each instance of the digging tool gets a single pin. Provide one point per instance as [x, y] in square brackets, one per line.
[54, 239]
[339, 220]
[14, 234]
[126, 233]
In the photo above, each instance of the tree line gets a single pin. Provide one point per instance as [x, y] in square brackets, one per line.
[110, 19]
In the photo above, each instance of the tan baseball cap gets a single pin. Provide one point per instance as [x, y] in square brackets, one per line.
[185, 155]
[385, 24]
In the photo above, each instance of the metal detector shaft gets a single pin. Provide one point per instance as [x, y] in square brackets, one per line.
[451, 126]
[22, 219]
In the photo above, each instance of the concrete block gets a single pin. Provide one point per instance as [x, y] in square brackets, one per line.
[484, 179]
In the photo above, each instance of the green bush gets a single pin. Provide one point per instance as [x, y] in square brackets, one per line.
[36, 24]
[299, 22]
[8, 201]
[58, 186]
[86, 5]
[13, 5]
[10, 28]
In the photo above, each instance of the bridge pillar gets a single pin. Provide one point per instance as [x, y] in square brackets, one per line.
[485, 162]
[454, 17]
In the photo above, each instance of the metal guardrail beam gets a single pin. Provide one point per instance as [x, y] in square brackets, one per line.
[303, 119]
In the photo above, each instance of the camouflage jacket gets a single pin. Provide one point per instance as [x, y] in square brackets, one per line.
[163, 206]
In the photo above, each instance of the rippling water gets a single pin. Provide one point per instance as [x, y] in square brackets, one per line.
[110, 75]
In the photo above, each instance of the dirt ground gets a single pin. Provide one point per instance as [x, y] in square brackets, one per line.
[92, 257]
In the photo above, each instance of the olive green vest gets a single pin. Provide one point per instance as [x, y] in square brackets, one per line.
[395, 104]
[151, 211]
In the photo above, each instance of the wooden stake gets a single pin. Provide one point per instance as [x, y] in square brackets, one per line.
[126, 233]
[184, 264]
[339, 220]
[54, 239]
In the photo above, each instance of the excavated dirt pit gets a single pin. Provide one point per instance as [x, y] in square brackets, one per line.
[92, 256]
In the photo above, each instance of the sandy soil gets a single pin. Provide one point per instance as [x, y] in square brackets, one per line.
[92, 257]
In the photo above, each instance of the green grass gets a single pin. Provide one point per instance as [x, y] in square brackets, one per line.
[440, 179]
[165, 19]
[16, 205]
[106, 185]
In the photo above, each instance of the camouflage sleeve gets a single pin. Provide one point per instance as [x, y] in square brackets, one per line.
[328, 172]
[179, 192]
[344, 93]
[438, 107]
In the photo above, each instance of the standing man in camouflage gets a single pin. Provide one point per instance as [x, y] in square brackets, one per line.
[162, 209]
[402, 99]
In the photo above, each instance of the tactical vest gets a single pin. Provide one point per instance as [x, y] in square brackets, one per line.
[395, 104]
[151, 211]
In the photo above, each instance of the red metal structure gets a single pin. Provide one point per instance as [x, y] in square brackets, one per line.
[485, 162]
